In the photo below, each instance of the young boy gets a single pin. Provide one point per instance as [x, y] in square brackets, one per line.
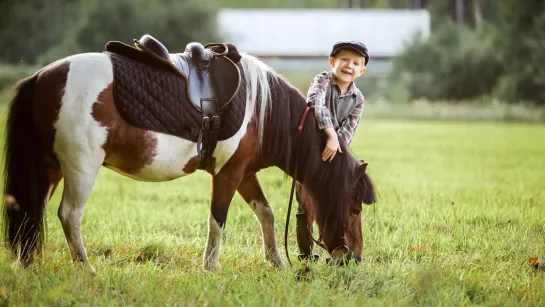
[338, 105]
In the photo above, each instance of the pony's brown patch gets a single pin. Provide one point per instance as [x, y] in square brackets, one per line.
[128, 149]
[49, 91]
[192, 165]
[247, 153]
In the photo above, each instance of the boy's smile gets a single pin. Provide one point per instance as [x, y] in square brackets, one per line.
[347, 73]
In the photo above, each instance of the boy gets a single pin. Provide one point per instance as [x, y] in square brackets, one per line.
[338, 105]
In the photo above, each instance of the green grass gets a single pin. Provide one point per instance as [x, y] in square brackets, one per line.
[461, 210]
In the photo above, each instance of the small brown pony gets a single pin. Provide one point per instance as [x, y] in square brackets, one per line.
[63, 123]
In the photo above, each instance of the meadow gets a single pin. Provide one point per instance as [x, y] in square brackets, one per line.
[461, 211]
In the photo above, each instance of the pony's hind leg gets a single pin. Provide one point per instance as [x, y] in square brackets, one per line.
[79, 140]
[78, 182]
[251, 191]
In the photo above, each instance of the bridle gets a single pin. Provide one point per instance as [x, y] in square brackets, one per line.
[319, 241]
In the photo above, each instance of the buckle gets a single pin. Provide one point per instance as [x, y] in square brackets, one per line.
[205, 123]
[216, 122]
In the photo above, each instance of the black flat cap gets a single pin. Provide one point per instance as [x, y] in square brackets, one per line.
[354, 46]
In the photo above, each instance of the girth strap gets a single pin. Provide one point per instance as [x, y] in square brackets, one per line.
[208, 136]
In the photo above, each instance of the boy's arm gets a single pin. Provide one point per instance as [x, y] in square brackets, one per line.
[348, 129]
[316, 100]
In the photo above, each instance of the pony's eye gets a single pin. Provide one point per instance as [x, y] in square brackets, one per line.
[356, 212]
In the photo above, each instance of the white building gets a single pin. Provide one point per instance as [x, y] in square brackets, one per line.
[289, 36]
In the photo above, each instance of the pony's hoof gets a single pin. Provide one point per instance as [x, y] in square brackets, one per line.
[211, 266]
[92, 270]
[275, 261]
[85, 265]
[278, 264]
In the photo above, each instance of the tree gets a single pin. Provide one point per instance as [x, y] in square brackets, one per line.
[464, 12]
[521, 46]
[28, 28]
[38, 32]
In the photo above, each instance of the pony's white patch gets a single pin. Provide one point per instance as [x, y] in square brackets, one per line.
[255, 73]
[93, 71]
[172, 155]
[79, 141]
[77, 131]
[213, 240]
[226, 149]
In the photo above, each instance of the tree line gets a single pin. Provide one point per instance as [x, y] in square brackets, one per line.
[478, 48]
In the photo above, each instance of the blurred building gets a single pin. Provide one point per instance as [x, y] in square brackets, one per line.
[301, 38]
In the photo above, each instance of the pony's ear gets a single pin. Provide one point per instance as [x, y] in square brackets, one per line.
[360, 170]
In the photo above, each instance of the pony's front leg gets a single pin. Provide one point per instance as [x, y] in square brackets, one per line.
[224, 185]
[252, 193]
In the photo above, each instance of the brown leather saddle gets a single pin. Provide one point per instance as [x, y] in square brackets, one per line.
[187, 94]
[196, 65]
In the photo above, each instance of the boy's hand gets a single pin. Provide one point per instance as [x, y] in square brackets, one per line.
[332, 145]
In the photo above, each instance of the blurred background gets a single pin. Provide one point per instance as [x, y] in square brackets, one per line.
[470, 59]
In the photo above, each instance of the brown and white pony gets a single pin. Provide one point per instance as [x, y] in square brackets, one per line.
[63, 123]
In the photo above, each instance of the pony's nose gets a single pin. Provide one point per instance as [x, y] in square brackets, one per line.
[358, 259]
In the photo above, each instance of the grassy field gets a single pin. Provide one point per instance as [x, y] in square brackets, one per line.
[461, 211]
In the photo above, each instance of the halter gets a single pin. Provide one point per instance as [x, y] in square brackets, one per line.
[318, 242]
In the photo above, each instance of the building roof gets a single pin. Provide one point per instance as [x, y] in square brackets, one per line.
[312, 32]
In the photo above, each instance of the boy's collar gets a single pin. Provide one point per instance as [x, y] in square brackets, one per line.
[351, 86]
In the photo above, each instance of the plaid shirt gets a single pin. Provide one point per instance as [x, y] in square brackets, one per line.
[316, 99]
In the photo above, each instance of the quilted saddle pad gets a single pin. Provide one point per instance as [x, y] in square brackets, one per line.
[157, 99]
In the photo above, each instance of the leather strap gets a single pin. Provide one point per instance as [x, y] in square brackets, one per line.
[208, 136]
[299, 134]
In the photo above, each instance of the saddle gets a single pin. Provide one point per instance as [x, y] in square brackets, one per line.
[193, 95]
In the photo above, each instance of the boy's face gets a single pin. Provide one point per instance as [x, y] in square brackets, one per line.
[347, 66]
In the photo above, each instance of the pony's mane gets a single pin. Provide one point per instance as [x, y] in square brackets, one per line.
[278, 111]
[258, 89]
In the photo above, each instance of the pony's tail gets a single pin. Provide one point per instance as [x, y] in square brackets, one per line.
[25, 181]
